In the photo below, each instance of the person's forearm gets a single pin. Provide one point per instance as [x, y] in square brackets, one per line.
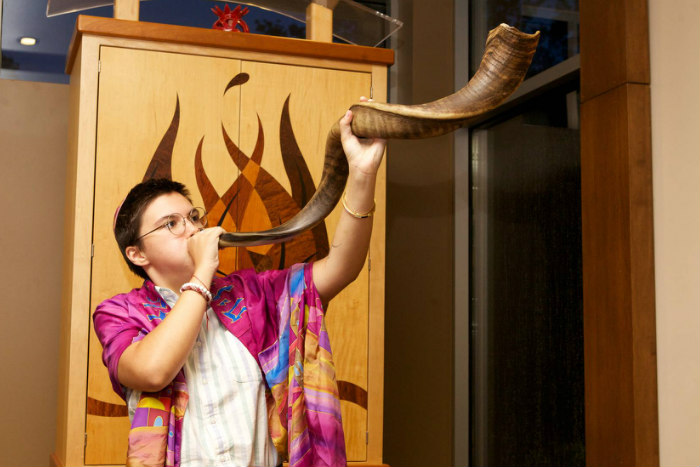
[153, 362]
[351, 240]
[350, 243]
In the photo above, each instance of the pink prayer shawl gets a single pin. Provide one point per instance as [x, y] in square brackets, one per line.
[278, 316]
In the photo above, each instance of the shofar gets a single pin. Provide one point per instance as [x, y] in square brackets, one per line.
[506, 60]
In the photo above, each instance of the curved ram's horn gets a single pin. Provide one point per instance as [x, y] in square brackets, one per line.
[506, 59]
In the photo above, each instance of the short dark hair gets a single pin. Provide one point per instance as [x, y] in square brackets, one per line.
[127, 221]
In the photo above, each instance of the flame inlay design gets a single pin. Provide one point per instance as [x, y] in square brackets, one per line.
[255, 200]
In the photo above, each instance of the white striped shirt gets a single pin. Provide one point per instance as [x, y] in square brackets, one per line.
[225, 424]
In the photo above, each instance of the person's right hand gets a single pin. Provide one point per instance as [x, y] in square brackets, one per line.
[203, 247]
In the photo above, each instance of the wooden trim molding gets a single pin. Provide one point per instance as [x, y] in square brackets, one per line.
[614, 45]
[319, 23]
[126, 9]
[617, 226]
[220, 39]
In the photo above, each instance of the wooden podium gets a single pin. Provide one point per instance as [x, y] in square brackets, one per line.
[223, 113]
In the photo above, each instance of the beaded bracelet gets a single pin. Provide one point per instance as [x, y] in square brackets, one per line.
[355, 214]
[201, 290]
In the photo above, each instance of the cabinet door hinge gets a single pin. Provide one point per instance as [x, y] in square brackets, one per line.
[99, 66]
[92, 250]
[366, 437]
[85, 440]
[369, 264]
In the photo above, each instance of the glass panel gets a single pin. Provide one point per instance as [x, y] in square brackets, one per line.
[61, 7]
[557, 21]
[527, 390]
[353, 22]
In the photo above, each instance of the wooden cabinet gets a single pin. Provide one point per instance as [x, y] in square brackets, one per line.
[220, 112]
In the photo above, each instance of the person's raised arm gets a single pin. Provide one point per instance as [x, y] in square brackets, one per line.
[350, 243]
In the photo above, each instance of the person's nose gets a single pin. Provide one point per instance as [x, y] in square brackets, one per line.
[191, 228]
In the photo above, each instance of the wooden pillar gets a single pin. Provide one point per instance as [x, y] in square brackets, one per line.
[617, 223]
[126, 9]
[319, 20]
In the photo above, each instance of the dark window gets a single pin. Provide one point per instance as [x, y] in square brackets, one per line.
[526, 344]
[557, 21]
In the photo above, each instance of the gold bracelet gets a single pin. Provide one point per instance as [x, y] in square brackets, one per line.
[200, 280]
[356, 214]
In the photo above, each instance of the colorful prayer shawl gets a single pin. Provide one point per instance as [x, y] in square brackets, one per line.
[278, 316]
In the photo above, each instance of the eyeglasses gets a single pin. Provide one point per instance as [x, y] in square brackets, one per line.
[176, 222]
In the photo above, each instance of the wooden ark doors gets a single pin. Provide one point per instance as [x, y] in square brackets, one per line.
[248, 139]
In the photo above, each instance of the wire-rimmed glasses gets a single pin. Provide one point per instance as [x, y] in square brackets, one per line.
[176, 222]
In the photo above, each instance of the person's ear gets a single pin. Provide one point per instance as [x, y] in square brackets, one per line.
[136, 256]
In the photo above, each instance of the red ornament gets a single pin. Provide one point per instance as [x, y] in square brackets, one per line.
[230, 20]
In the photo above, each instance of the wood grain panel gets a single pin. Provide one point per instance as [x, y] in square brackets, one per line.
[377, 280]
[138, 96]
[614, 45]
[618, 280]
[618, 262]
[144, 86]
[642, 277]
[140, 92]
[105, 409]
[64, 391]
[70, 433]
[317, 98]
